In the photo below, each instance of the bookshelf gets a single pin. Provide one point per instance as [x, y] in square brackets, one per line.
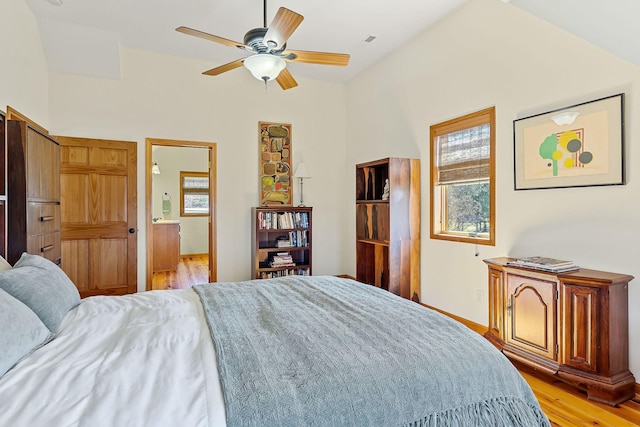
[388, 225]
[281, 243]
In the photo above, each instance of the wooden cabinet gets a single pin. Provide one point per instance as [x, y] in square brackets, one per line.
[33, 193]
[573, 325]
[388, 225]
[166, 246]
[282, 241]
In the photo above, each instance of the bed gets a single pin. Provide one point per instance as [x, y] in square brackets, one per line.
[295, 351]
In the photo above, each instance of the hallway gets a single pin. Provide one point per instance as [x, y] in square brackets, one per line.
[192, 270]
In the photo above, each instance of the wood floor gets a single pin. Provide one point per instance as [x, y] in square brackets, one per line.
[192, 270]
[564, 405]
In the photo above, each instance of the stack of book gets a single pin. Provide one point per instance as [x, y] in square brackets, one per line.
[544, 263]
[281, 259]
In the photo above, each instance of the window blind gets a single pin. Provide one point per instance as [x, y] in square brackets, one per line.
[194, 184]
[463, 156]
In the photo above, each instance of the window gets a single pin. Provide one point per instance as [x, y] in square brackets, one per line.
[194, 193]
[463, 179]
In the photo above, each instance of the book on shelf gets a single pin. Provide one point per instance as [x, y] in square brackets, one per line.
[283, 273]
[281, 259]
[544, 263]
[283, 242]
[282, 220]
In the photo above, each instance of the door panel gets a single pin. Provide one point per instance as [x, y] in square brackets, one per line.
[75, 262]
[99, 204]
[531, 311]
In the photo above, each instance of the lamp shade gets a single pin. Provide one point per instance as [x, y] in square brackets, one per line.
[301, 171]
[264, 66]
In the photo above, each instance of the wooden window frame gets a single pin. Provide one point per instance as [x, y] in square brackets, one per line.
[438, 192]
[183, 191]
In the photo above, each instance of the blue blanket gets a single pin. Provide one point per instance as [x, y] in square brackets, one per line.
[324, 351]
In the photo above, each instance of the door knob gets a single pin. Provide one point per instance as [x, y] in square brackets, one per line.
[132, 230]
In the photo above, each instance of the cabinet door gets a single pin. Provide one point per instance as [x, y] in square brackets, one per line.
[581, 326]
[531, 314]
[166, 247]
[43, 167]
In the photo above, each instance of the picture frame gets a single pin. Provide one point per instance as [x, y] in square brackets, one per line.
[275, 175]
[577, 146]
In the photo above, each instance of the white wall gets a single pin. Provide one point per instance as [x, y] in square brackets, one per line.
[194, 238]
[492, 54]
[23, 73]
[167, 97]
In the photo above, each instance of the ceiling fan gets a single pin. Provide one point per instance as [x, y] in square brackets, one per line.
[268, 46]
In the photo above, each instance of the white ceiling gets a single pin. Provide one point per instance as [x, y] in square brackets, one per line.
[84, 36]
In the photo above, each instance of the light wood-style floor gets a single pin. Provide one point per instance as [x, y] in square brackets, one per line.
[192, 270]
[564, 405]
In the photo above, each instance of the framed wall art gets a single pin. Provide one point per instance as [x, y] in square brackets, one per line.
[275, 164]
[576, 146]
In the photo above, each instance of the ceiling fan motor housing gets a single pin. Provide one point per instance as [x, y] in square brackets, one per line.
[254, 41]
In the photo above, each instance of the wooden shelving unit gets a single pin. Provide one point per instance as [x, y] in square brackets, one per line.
[291, 226]
[388, 227]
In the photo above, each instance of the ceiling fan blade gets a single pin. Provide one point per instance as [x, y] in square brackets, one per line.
[324, 58]
[224, 68]
[286, 80]
[283, 25]
[211, 37]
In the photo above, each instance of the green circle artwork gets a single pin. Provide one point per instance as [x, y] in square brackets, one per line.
[564, 150]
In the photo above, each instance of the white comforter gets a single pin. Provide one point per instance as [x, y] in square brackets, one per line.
[138, 360]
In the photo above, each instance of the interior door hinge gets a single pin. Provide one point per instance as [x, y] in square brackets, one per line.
[557, 349]
[557, 294]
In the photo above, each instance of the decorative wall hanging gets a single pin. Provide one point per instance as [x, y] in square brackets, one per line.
[577, 146]
[275, 164]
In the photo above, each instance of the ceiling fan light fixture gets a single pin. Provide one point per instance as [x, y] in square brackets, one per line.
[264, 66]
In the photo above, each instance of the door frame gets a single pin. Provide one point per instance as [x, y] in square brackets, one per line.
[213, 252]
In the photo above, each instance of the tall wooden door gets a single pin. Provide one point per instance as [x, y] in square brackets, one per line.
[99, 214]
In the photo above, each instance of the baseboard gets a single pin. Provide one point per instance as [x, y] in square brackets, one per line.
[481, 329]
[188, 255]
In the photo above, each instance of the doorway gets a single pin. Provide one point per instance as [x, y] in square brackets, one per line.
[178, 254]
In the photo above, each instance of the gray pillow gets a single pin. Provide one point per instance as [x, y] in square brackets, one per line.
[43, 287]
[21, 332]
